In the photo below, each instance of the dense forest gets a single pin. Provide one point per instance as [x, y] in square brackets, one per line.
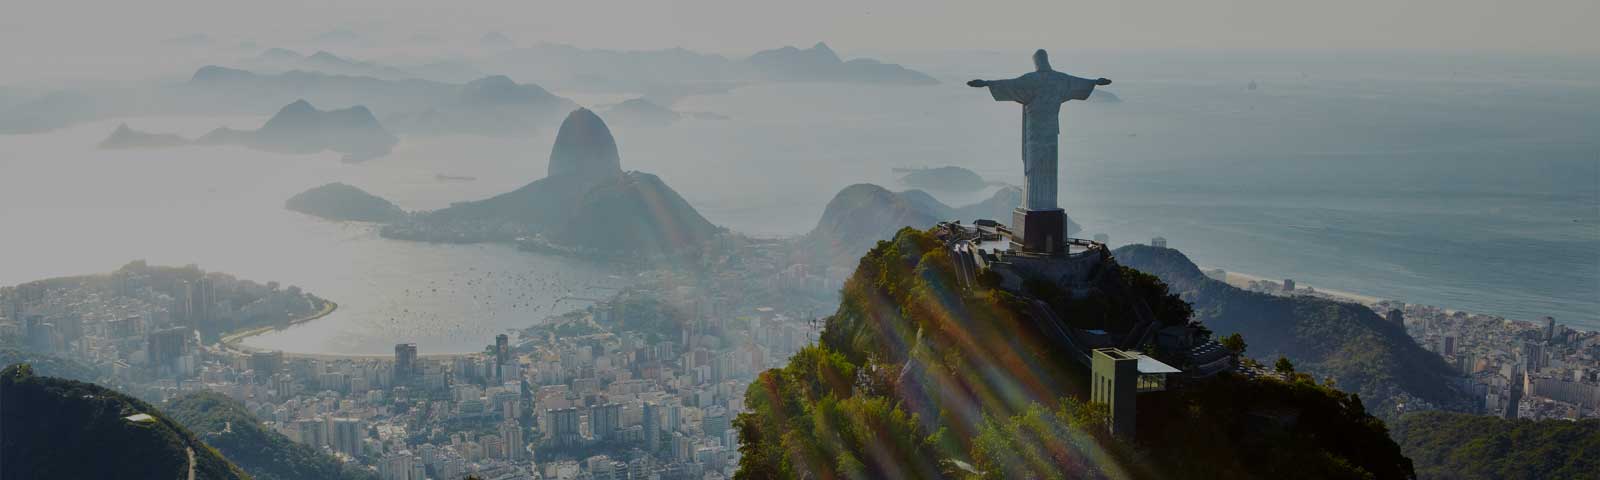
[1363, 352]
[57, 428]
[915, 378]
[267, 455]
[1459, 446]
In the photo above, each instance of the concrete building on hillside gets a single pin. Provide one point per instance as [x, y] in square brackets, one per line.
[1118, 377]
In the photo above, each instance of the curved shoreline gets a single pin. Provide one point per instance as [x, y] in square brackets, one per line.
[1241, 280]
[235, 340]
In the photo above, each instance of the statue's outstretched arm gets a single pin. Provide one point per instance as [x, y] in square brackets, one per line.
[978, 83]
[1101, 82]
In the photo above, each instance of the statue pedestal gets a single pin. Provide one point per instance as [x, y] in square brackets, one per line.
[1039, 232]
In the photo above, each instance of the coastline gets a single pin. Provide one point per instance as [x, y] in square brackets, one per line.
[1242, 280]
[328, 307]
[235, 341]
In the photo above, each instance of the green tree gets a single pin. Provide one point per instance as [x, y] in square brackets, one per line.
[1454, 445]
[266, 454]
[1283, 366]
[1234, 343]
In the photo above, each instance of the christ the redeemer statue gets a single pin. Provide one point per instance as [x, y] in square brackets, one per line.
[1039, 223]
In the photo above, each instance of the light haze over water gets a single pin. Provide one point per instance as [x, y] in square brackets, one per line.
[1465, 182]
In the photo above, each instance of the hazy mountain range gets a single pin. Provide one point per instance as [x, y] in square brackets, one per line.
[442, 69]
[667, 74]
[297, 128]
[302, 128]
[125, 137]
[278, 76]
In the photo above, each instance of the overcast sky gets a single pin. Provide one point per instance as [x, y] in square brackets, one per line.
[733, 26]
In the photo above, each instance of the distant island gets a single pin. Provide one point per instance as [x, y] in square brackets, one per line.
[125, 137]
[586, 206]
[339, 201]
[820, 63]
[493, 105]
[1102, 95]
[301, 128]
[297, 128]
[950, 179]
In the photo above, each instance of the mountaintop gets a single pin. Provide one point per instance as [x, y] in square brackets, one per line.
[918, 376]
[502, 90]
[301, 128]
[584, 148]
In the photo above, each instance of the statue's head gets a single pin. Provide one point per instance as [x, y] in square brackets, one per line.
[1041, 61]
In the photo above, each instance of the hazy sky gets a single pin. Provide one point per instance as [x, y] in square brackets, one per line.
[741, 26]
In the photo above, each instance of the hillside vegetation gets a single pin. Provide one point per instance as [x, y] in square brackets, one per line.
[1459, 446]
[915, 378]
[267, 455]
[1363, 352]
[65, 429]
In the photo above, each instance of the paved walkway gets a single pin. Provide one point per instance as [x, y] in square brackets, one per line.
[191, 462]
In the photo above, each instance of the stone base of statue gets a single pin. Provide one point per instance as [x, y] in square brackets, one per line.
[1039, 232]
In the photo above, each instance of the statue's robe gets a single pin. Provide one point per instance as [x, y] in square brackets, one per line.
[1041, 94]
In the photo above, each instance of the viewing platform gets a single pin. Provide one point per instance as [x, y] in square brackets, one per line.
[984, 257]
[986, 245]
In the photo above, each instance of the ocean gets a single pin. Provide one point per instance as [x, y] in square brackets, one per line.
[1465, 182]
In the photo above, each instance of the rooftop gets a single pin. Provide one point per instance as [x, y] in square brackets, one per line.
[1151, 365]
